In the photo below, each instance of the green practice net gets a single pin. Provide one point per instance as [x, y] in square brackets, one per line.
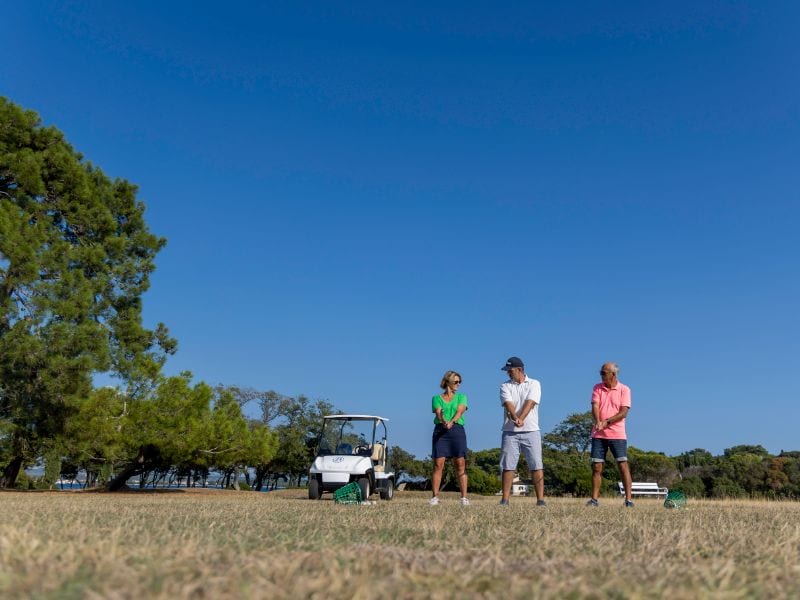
[675, 499]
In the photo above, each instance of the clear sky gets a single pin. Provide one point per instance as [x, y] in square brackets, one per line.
[358, 198]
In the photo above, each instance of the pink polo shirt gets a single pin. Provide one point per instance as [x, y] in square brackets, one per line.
[610, 401]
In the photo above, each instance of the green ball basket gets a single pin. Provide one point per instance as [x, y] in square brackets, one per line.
[675, 499]
[349, 494]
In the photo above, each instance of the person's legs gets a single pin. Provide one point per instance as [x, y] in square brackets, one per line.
[441, 450]
[436, 479]
[625, 471]
[460, 463]
[599, 449]
[538, 483]
[508, 480]
[597, 477]
[509, 457]
[459, 452]
[531, 445]
[619, 448]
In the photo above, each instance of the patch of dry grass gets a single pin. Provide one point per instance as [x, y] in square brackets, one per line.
[281, 545]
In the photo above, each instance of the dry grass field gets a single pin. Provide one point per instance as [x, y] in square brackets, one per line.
[215, 544]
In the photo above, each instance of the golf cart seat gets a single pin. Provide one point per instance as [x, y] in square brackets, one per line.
[377, 455]
[344, 449]
[377, 452]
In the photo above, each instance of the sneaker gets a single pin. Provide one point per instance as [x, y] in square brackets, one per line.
[593, 502]
[464, 502]
[541, 503]
[628, 503]
[503, 502]
[434, 501]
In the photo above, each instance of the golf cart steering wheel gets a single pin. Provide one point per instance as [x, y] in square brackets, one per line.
[362, 450]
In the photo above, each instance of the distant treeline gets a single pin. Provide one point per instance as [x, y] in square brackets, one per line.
[747, 471]
[177, 434]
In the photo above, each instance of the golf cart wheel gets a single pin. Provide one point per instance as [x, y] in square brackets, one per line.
[363, 483]
[387, 493]
[314, 492]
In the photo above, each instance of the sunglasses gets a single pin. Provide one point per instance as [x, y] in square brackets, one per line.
[456, 382]
[607, 373]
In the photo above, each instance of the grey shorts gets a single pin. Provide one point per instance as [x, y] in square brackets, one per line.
[600, 446]
[529, 442]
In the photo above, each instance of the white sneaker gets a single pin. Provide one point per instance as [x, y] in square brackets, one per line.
[434, 501]
[464, 502]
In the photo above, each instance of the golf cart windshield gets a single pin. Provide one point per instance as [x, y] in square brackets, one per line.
[350, 435]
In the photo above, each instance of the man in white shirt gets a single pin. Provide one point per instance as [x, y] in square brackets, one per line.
[520, 397]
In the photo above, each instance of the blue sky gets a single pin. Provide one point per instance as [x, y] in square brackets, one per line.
[357, 198]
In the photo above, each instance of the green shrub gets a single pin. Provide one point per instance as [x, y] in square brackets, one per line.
[481, 482]
[24, 482]
[691, 486]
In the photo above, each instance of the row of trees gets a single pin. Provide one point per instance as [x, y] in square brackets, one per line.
[178, 434]
[178, 431]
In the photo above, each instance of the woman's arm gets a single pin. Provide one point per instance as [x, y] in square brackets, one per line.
[436, 407]
[462, 408]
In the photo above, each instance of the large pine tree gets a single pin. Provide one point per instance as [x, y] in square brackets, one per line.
[75, 259]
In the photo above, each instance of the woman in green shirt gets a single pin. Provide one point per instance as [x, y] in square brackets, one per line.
[449, 437]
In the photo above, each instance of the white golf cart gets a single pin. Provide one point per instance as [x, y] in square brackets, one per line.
[352, 448]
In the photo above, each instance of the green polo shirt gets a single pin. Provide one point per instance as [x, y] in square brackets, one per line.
[449, 408]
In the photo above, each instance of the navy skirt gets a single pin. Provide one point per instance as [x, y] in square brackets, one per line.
[449, 443]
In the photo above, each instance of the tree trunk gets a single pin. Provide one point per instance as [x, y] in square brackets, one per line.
[258, 483]
[136, 466]
[11, 472]
[118, 482]
[236, 478]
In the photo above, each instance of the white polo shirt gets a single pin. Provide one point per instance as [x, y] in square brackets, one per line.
[517, 394]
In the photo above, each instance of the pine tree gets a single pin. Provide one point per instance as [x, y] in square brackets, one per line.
[75, 259]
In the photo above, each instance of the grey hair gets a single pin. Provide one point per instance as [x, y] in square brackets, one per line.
[612, 366]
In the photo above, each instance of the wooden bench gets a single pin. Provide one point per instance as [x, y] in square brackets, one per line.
[644, 489]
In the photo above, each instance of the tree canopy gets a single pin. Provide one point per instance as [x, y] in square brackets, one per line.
[75, 259]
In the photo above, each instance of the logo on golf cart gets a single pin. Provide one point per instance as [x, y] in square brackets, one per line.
[337, 459]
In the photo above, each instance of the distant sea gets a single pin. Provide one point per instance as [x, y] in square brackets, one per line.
[77, 485]
[38, 471]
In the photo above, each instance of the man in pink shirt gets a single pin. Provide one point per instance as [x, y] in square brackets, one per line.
[611, 401]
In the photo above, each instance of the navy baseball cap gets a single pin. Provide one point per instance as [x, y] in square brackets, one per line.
[511, 363]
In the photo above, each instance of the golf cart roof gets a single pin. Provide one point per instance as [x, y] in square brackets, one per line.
[356, 417]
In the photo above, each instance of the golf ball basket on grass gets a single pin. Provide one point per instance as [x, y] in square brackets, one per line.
[349, 494]
[675, 499]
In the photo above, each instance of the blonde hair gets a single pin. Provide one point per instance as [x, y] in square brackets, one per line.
[448, 378]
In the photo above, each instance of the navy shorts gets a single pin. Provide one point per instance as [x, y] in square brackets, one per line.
[449, 443]
[600, 446]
